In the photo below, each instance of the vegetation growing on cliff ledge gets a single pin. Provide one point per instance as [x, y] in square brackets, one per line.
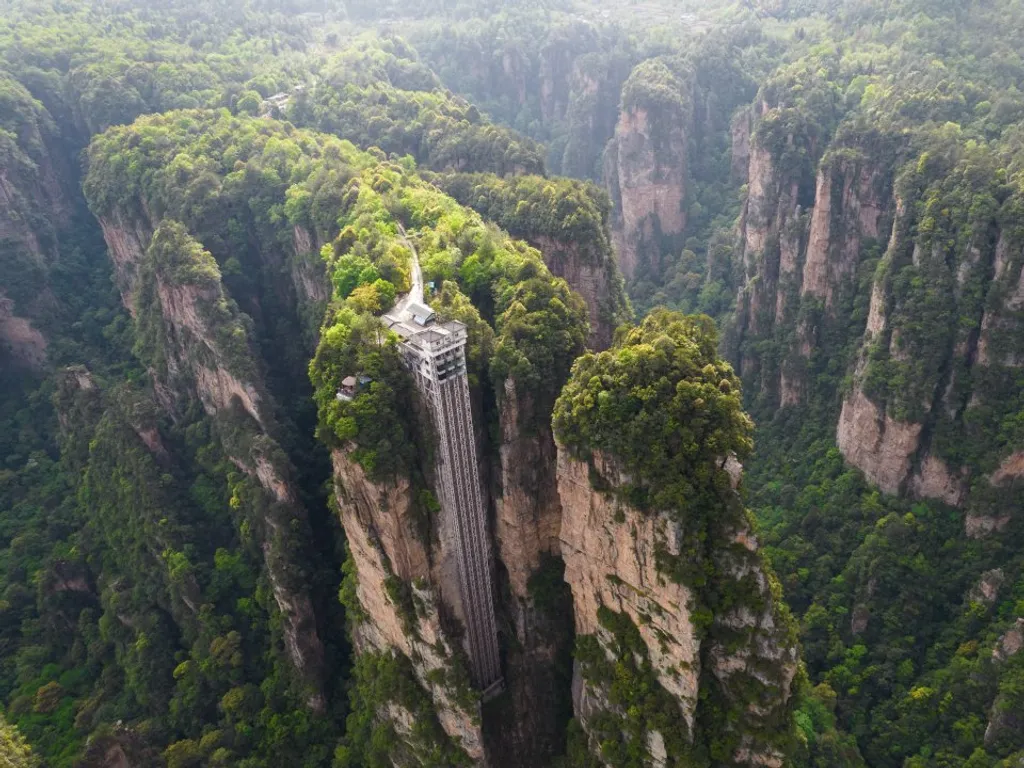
[657, 417]
[479, 273]
[141, 556]
[665, 407]
[532, 208]
[387, 680]
[620, 669]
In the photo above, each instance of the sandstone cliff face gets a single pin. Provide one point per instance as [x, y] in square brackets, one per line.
[594, 277]
[645, 174]
[881, 447]
[610, 559]
[556, 68]
[20, 341]
[740, 130]
[127, 239]
[1004, 721]
[12, 226]
[392, 544]
[594, 91]
[530, 726]
[612, 554]
[849, 201]
[307, 269]
[852, 276]
[206, 355]
[911, 439]
[801, 263]
[772, 233]
[529, 512]
[385, 544]
[36, 190]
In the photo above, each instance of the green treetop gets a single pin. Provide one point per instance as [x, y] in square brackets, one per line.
[663, 404]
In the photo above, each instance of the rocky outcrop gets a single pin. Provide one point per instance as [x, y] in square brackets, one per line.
[528, 520]
[35, 182]
[20, 341]
[529, 512]
[12, 226]
[935, 479]
[595, 89]
[772, 231]
[399, 590]
[409, 600]
[918, 419]
[645, 172]
[610, 553]
[593, 275]
[556, 69]
[986, 590]
[850, 200]
[1010, 470]
[309, 279]
[193, 340]
[1001, 320]
[740, 132]
[880, 446]
[36, 190]
[1011, 642]
[196, 343]
[978, 526]
[922, 393]
[540, 77]
[801, 254]
[615, 557]
[1005, 721]
[127, 238]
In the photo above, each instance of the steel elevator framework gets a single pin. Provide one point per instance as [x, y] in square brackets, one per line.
[436, 355]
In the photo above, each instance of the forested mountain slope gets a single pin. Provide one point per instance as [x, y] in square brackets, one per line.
[853, 227]
[209, 557]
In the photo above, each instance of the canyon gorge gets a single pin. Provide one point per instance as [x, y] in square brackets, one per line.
[742, 293]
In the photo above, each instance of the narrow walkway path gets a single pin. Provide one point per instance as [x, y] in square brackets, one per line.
[415, 295]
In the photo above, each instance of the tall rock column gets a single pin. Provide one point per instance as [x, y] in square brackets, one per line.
[802, 261]
[196, 345]
[645, 163]
[527, 726]
[932, 386]
[399, 621]
[36, 212]
[685, 651]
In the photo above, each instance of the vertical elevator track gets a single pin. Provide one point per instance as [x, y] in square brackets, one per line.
[436, 355]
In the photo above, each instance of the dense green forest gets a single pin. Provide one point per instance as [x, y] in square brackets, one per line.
[813, 210]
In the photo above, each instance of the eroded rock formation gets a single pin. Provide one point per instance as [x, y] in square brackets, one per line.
[614, 556]
[920, 417]
[404, 589]
[683, 645]
[645, 172]
[802, 249]
[197, 345]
